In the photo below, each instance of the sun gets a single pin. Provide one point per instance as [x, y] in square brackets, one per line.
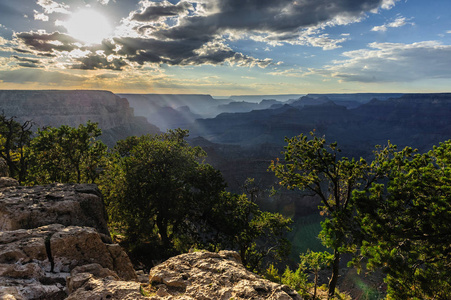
[88, 26]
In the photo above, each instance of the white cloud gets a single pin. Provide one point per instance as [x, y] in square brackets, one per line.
[392, 62]
[40, 16]
[388, 4]
[289, 73]
[399, 22]
[51, 6]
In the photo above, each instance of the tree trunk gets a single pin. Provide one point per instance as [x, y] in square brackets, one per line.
[316, 284]
[334, 278]
[163, 231]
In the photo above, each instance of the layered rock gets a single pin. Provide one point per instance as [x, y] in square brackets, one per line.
[55, 108]
[34, 263]
[66, 204]
[206, 275]
[39, 247]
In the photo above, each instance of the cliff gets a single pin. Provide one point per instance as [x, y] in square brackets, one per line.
[55, 108]
[54, 244]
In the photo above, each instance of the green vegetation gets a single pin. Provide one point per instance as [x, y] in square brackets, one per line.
[159, 191]
[14, 136]
[405, 221]
[311, 164]
[392, 214]
[65, 154]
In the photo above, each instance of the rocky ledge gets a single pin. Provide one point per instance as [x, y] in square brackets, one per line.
[54, 244]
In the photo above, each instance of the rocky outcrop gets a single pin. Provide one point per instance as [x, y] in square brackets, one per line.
[67, 204]
[198, 275]
[44, 256]
[39, 246]
[34, 263]
[206, 275]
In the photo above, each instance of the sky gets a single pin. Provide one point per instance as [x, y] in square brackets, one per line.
[227, 47]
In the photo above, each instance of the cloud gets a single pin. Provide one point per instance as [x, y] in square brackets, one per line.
[399, 22]
[154, 11]
[282, 17]
[200, 29]
[47, 42]
[107, 76]
[182, 52]
[99, 62]
[51, 6]
[40, 16]
[24, 59]
[288, 73]
[393, 62]
[197, 32]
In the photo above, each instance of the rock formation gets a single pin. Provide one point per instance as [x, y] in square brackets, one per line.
[55, 108]
[55, 244]
[67, 204]
[39, 246]
[206, 275]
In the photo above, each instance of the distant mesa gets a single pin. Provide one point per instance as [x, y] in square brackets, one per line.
[55, 108]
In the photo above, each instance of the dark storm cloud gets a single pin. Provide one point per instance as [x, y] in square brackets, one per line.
[47, 42]
[28, 65]
[200, 33]
[157, 10]
[97, 62]
[212, 21]
[152, 50]
[24, 59]
[180, 52]
[282, 16]
[22, 50]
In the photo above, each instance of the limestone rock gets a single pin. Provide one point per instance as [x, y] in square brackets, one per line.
[8, 182]
[67, 204]
[106, 288]
[34, 263]
[206, 275]
[55, 108]
[94, 282]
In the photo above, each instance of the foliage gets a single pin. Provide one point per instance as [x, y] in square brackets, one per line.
[14, 136]
[157, 188]
[296, 280]
[312, 165]
[257, 235]
[65, 154]
[406, 221]
[315, 261]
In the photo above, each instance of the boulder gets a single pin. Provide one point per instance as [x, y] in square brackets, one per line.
[206, 275]
[67, 204]
[34, 263]
[94, 282]
[8, 182]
